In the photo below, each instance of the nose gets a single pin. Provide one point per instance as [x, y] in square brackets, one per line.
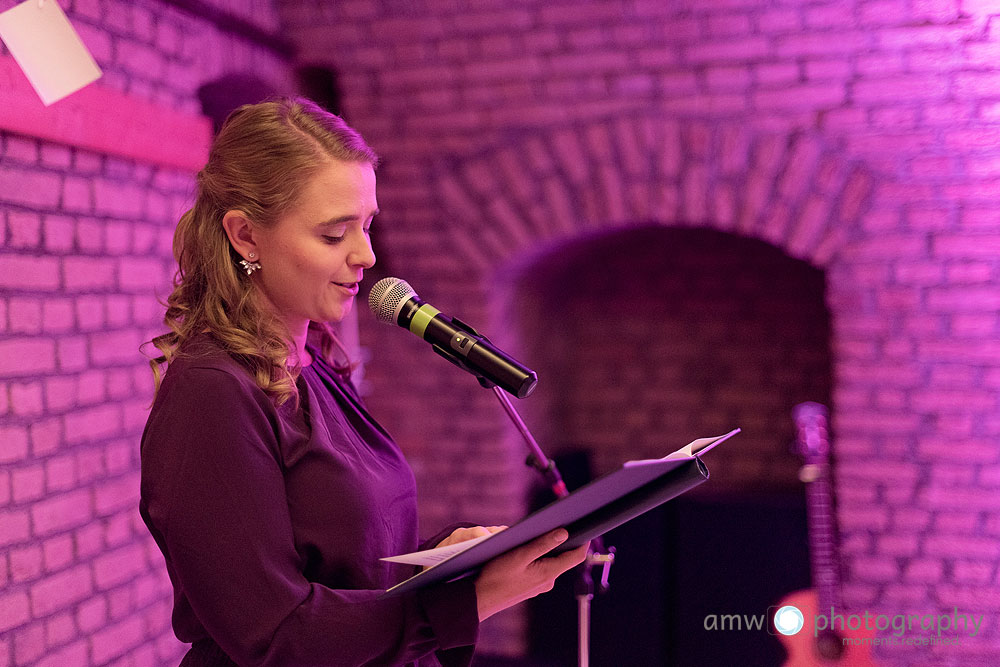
[362, 254]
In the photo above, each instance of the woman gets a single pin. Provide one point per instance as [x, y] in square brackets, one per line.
[268, 487]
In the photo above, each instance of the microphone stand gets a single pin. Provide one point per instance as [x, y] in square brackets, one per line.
[596, 554]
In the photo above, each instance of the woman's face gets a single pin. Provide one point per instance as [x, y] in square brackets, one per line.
[313, 258]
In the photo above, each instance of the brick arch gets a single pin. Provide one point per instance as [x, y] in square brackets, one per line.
[797, 192]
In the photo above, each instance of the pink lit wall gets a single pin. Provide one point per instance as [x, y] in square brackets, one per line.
[858, 136]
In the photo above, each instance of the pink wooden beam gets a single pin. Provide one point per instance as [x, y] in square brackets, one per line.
[105, 121]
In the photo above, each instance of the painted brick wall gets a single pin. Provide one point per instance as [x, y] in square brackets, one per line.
[84, 255]
[860, 136]
[77, 283]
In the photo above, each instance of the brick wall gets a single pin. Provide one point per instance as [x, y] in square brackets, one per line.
[859, 136]
[84, 255]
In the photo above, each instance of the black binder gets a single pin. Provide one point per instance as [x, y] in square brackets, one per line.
[609, 501]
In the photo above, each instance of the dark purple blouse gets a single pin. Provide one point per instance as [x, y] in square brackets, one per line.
[272, 522]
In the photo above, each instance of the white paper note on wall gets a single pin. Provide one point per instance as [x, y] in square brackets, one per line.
[48, 49]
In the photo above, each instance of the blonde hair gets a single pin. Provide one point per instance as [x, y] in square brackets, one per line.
[258, 163]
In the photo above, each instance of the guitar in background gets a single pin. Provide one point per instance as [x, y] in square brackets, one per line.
[826, 649]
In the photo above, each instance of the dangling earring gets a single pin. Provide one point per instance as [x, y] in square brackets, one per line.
[250, 267]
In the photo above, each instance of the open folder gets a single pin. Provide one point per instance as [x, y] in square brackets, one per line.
[592, 510]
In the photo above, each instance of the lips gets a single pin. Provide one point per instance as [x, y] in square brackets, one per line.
[350, 287]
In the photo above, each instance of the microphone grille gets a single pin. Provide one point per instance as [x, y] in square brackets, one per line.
[387, 296]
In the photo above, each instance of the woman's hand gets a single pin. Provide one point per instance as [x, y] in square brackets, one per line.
[523, 573]
[465, 534]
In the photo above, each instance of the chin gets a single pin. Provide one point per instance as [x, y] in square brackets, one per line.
[337, 314]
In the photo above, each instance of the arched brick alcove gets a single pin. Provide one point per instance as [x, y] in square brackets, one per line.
[796, 191]
[546, 187]
[540, 188]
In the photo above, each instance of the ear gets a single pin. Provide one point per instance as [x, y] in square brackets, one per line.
[240, 231]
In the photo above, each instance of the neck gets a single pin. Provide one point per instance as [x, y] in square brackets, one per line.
[299, 332]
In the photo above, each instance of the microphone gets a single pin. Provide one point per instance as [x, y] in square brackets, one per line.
[394, 302]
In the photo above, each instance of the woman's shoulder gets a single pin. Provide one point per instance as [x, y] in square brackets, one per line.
[205, 383]
[202, 359]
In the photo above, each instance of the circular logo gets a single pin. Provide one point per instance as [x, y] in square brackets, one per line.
[788, 620]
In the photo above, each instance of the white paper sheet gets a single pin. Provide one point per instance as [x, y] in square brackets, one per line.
[432, 556]
[48, 49]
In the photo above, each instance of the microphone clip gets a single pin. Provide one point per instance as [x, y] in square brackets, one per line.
[452, 355]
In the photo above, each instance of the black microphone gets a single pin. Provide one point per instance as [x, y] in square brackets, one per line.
[394, 302]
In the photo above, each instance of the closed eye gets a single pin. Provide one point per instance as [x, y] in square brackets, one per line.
[335, 233]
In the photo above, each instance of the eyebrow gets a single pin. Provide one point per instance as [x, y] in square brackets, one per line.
[344, 218]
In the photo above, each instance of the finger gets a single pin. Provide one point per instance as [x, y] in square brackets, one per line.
[496, 529]
[548, 569]
[538, 547]
[553, 566]
[470, 533]
[477, 531]
[461, 535]
[569, 559]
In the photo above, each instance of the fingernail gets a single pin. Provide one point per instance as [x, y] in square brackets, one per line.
[560, 536]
